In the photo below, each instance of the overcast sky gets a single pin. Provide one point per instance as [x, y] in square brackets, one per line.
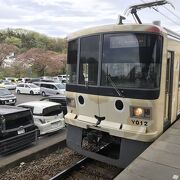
[58, 18]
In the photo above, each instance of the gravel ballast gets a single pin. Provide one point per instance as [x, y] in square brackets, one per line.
[42, 168]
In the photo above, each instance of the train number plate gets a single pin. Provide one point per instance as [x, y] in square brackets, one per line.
[138, 122]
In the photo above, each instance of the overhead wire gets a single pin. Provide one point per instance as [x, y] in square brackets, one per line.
[166, 17]
[178, 17]
[178, 24]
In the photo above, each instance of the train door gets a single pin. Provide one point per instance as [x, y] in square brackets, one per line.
[169, 89]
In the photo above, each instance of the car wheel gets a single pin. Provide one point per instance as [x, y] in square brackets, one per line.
[31, 92]
[18, 92]
[43, 93]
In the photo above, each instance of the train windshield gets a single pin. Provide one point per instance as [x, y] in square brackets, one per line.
[126, 60]
[131, 60]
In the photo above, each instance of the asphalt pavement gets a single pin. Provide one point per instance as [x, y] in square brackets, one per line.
[22, 98]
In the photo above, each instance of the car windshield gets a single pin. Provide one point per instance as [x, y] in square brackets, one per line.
[52, 110]
[60, 86]
[33, 86]
[4, 92]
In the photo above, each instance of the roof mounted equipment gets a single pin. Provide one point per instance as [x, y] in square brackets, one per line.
[133, 9]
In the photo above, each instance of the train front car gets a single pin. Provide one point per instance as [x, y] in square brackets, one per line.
[113, 92]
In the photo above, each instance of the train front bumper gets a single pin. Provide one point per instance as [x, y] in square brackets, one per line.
[138, 133]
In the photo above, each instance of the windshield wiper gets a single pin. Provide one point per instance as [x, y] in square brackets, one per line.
[114, 85]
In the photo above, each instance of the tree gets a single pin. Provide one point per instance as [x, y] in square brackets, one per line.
[43, 62]
[14, 41]
[56, 63]
[5, 50]
[26, 39]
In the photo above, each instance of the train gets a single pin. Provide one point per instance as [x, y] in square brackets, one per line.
[123, 89]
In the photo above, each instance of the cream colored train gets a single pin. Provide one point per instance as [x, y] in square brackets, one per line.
[123, 89]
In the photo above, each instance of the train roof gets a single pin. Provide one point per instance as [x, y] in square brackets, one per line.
[123, 27]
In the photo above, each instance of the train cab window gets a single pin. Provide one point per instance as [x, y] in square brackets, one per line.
[89, 54]
[131, 60]
[72, 61]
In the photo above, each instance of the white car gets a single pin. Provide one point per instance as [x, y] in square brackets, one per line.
[63, 78]
[8, 85]
[48, 116]
[27, 88]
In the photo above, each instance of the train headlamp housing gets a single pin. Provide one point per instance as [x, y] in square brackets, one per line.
[71, 102]
[140, 112]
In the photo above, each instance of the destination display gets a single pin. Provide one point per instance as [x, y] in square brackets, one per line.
[128, 40]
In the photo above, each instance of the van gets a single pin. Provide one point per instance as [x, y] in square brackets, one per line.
[50, 88]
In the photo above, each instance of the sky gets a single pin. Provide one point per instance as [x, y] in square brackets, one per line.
[58, 18]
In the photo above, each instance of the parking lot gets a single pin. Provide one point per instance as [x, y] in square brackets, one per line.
[22, 98]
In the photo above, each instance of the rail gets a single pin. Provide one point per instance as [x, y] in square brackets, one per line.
[77, 166]
[66, 173]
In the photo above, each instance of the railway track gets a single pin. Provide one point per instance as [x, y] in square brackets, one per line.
[66, 173]
[70, 165]
[88, 169]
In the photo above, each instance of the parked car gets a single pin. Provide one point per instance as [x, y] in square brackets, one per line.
[48, 117]
[37, 83]
[58, 99]
[17, 129]
[34, 80]
[57, 79]
[11, 79]
[7, 84]
[46, 79]
[51, 88]
[24, 80]
[6, 97]
[27, 88]
[62, 78]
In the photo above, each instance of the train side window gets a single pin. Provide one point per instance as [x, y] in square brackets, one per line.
[72, 61]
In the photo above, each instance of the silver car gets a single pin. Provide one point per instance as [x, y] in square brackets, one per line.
[51, 88]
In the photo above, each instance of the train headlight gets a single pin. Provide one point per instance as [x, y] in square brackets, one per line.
[71, 102]
[140, 112]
